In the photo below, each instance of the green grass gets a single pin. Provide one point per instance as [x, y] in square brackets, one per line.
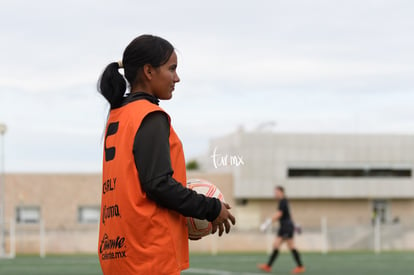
[354, 263]
[344, 263]
[50, 265]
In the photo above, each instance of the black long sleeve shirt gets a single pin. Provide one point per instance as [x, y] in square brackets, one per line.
[151, 151]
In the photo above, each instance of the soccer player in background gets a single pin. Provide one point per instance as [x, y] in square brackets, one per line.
[285, 233]
[145, 201]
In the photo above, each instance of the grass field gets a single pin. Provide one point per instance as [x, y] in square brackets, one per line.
[394, 263]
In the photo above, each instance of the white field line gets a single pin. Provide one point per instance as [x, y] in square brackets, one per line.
[217, 272]
[223, 258]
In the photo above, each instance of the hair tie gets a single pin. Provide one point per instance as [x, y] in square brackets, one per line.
[120, 65]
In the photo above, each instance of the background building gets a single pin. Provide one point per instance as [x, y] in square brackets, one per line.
[338, 184]
[347, 180]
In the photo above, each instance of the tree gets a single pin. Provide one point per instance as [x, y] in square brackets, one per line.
[192, 165]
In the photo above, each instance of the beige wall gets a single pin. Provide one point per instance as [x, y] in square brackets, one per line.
[60, 195]
[338, 213]
[308, 213]
[404, 210]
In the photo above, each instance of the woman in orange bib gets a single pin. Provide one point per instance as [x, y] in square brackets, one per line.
[144, 196]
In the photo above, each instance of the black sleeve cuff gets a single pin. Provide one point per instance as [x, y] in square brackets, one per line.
[215, 209]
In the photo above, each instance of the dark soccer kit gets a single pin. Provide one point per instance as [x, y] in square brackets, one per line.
[287, 228]
[286, 232]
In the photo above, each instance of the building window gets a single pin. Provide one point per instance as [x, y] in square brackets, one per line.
[28, 214]
[349, 173]
[89, 214]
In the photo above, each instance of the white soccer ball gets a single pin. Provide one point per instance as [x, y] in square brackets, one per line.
[200, 228]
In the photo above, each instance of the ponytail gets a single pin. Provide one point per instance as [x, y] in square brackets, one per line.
[112, 85]
[145, 49]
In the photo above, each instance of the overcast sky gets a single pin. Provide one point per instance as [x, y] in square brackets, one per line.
[309, 66]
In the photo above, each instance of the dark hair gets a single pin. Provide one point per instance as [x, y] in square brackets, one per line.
[145, 49]
[280, 188]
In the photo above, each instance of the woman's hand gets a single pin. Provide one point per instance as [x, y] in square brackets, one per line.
[222, 221]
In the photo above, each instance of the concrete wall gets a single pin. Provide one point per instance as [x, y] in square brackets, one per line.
[268, 156]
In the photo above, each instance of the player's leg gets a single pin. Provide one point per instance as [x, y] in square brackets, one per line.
[291, 245]
[268, 267]
[278, 242]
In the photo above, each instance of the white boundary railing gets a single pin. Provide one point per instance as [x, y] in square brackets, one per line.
[8, 233]
[324, 231]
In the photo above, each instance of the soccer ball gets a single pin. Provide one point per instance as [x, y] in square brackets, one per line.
[200, 228]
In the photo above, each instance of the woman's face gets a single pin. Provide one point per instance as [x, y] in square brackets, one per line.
[278, 194]
[164, 78]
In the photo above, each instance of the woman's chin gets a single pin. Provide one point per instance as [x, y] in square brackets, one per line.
[166, 97]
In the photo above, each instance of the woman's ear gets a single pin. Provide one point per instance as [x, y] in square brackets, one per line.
[147, 71]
